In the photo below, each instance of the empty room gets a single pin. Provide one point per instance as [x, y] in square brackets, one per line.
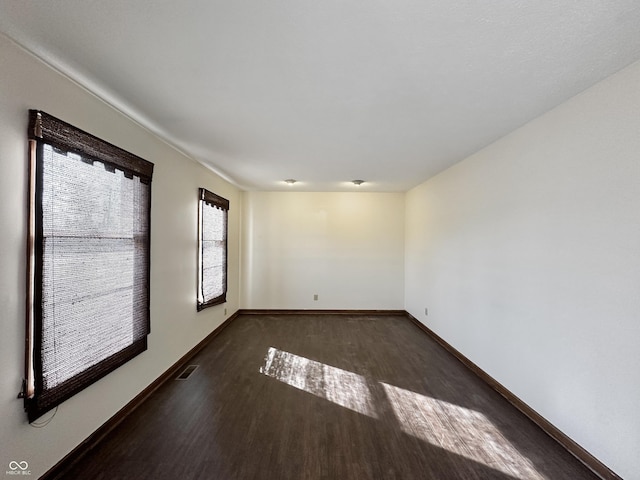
[320, 240]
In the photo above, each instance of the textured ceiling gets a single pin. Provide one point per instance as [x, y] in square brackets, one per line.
[327, 91]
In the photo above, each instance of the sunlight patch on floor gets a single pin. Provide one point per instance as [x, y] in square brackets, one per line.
[459, 430]
[341, 387]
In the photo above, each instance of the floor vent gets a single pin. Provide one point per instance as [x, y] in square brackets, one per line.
[186, 372]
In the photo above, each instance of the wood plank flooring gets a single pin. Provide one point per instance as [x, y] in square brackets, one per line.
[326, 397]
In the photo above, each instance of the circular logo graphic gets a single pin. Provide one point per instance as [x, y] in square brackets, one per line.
[13, 465]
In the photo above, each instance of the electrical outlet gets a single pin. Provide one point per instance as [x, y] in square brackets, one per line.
[315, 297]
[225, 311]
[426, 311]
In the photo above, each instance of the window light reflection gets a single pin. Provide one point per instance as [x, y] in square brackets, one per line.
[341, 387]
[459, 430]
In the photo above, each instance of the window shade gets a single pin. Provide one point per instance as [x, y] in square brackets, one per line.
[90, 281]
[212, 283]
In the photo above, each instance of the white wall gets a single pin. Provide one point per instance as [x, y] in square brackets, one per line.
[346, 247]
[528, 257]
[175, 326]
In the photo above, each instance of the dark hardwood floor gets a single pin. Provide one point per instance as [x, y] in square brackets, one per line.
[326, 397]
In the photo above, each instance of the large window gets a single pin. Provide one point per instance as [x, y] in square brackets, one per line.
[212, 249]
[88, 309]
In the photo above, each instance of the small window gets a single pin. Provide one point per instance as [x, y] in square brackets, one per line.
[88, 276]
[212, 249]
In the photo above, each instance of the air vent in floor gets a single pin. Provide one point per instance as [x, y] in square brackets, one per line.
[186, 372]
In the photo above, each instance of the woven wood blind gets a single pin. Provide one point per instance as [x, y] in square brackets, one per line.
[91, 253]
[212, 283]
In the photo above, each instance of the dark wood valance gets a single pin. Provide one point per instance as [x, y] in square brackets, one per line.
[66, 137]
[213, 199]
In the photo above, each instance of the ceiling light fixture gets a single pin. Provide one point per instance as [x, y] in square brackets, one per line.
[357, 182]
[290, 181]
